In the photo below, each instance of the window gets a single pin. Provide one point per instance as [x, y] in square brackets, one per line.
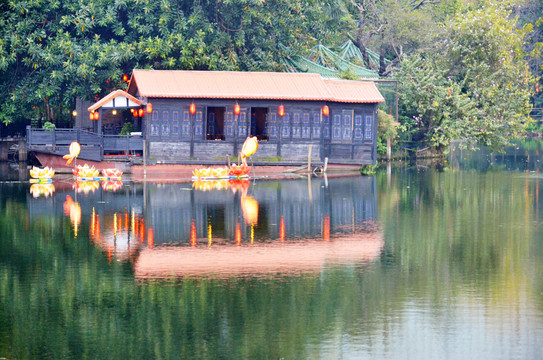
[368, 127]
[259, 123]
[215, 123]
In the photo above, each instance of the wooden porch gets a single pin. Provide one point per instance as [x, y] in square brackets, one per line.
[95, 147]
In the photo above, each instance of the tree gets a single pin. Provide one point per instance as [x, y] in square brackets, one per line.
[475, 85]
[396, 27]
[52, 51]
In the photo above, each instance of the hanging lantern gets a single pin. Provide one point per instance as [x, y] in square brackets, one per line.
[96, 116]
[281, 110]
[125, 78]
[237, 109]
[91, 116]
[149, 108]
[192, 109]
[325, 110]
[141, 112]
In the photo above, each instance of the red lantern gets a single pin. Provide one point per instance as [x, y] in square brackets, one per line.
[149, 108]
[125, 77]
[91, 116]
[96, 116]
[325, 110]
[237, 109]
[192, 109]
[141, 112]
[281, 110]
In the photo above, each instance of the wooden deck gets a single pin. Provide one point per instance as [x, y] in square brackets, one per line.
[93, 146]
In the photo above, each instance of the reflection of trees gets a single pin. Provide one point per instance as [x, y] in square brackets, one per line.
[61, 298]
[455, 231]
[448, 235]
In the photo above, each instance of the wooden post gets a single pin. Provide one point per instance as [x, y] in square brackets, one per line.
[228, 160]
[325, 164]
[144, 158]
[309, 157]
[22, 151]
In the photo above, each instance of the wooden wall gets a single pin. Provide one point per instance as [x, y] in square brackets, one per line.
[347, 135]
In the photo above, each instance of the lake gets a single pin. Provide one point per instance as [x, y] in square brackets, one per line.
[416, 263]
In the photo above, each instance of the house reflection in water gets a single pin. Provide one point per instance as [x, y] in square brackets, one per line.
[228, 229]
[269, 227]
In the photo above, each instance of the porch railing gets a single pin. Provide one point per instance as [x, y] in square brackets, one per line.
[93, 145]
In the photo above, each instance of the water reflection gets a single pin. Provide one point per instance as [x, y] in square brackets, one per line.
[454, 270]
[225, 228]
[37, 190]
[524, 156]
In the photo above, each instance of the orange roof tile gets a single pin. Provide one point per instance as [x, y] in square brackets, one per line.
[354, 91]
[111, 96]
[248, 85]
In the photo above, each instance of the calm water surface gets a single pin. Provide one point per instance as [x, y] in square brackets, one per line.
[417, 264]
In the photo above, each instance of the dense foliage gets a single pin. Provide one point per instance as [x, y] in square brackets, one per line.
[52, 51]
[475, 85]
[468, 68]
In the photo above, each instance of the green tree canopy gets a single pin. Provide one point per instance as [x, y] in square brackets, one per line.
[475, 85]
[52, 51]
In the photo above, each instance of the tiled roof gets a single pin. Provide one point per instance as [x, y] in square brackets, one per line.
[113, 95]
[249, 85]
[354, 91]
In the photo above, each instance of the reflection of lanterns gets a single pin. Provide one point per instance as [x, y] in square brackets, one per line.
[86, 186]
[149, 108]
[281, 110]
[150, 237]
[237, 109]
[238, 233]
[73, 210]
[192, 109]
[36, 190]
[325, 110]
[326, 228]
[193, 233]
[112, 185]
[282, 229]
[249, 208]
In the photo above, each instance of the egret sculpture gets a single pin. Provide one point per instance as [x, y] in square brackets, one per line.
[75, 148]
[249, 148]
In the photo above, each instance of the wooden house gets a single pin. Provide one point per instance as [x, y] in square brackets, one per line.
[188, 117]
[203, 115]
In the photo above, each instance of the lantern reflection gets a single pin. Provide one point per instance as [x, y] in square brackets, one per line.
[326, 228]
[234, 184]
[120, 233]
[282, 229]
[72, 209]
[112, 185]
[86, 187]
[37, 190]
[193, 234]
[249, 208]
